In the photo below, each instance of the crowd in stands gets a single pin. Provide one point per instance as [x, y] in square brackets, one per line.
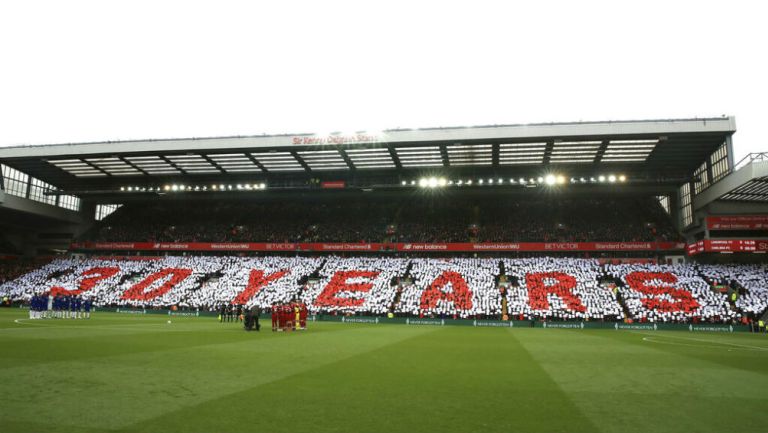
[253, 282]
[7, 247]
[11, 269]
[551, 288]
[451, 287]
[559, 288]
[356, 284]
[669, 293]
[576, 220]
[397, 220]
[750, 282]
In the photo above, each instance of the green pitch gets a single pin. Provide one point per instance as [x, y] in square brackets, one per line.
[140, 374]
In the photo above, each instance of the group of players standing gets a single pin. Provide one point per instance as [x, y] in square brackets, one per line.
[59, 307]
[289, 316]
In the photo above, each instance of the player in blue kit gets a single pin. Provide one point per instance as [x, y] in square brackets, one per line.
[78, 307]
[73, 307]
[62, 306]
[87, 308]
[36, 307]
[65, 306]
[57, 306]
[32, 305]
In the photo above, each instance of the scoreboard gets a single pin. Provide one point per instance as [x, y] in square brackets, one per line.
[728, 246]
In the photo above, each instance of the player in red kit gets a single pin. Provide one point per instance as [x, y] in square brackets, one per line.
[288, 316]
[283, 317]
[274, 317]
[303, 315]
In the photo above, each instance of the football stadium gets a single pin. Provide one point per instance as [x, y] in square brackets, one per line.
[560, 277]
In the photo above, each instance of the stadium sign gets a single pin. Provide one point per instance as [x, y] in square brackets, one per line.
[333, 184]
[405, 247]
[728, 246]
[130, 311]
[636, 326]
[343, 247]
[493, 323]
[335, 139]
[563, 325]
[184, 313]
[710, 328]
[738, 222]
[360, 319]
[434, 322]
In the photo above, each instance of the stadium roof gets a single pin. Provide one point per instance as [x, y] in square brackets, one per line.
[649, 149]
[748, 183]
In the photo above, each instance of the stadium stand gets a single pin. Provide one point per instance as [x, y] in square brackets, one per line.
[549, 288]
[559, 288]
[669, 293]
[15, 268]
[355, 285]
[253, 282]
[6, 247]
[749, 281]
[463, 287]
[542, 220]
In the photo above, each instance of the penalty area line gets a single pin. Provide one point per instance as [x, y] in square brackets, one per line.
[709, 343]
[35, 323]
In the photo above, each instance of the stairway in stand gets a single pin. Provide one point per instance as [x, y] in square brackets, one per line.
[502, 279]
